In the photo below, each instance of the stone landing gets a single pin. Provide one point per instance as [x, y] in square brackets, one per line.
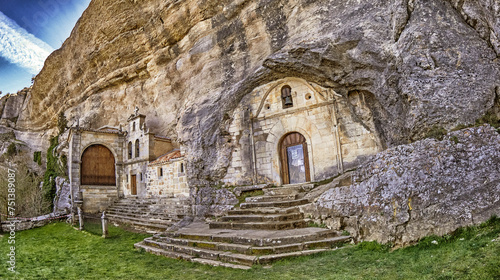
[262, 230]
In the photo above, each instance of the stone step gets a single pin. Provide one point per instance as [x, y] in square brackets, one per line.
[218, 263]
[143, 215]
[221, 255]
[165, 221]
[283, 204]
[267, 259]
[244, 240]
[264, 211]
[161, 211]
[141, 226]
[256, 250]
[224, 256]
[131, 205]
[270, 198]
[259, 226]
[288, 189]
[181, 256]
[262, 217]
[128, 207]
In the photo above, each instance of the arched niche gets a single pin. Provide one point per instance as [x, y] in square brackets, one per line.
[98, 166]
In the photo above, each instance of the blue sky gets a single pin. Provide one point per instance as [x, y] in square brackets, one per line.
[29, 31]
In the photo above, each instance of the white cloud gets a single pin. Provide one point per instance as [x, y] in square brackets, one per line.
[20, 47]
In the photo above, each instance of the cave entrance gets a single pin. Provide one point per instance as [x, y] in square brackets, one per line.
[294, 159]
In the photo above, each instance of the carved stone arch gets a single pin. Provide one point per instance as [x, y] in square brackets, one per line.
[284, 127]
[115, 155]
[283, 82]
[294, 158]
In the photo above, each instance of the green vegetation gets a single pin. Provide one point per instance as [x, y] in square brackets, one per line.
[244, 195]
[489, 118]
[58, 251]
[11, 150]
[29, 197]
[313, 224]
[37, 157]
[54, 169]
[436, 132]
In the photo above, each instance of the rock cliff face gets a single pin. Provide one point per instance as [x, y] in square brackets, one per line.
[411, 191]
[187, 64]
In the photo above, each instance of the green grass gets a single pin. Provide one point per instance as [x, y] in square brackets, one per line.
[57, 251]
[246, 194]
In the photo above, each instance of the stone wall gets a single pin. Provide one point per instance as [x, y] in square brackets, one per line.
[335, 135]
[172, 183]
[411, 191]
[98, 198]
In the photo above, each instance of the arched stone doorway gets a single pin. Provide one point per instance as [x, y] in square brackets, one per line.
[98, 166]
[294, 159]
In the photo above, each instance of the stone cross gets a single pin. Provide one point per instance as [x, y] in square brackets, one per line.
[136, 111]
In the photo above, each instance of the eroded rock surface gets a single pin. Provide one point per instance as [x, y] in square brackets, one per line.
[62, 200]
[428, 187]
[187, 64]
[208, 201]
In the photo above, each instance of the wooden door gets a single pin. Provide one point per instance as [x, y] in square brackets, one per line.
[133, 185]
[98, 166]
[294, 159]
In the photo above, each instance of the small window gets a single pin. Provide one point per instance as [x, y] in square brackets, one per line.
[161, 172]
[133, 126]
[129, 150]
[182, 167]
[137, 150]
[286, 97]
[140, 176]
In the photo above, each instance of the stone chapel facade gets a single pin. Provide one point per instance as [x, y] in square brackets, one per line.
[285, 132]
[109, 163]
[294, 131]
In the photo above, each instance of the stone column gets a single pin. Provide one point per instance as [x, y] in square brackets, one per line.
[104, 221]
[80, 218]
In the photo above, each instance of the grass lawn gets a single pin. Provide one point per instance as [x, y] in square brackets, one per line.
[57, 251]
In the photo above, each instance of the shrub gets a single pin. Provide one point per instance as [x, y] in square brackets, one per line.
[436, 132]
[37, 157]
[11, 150]
[489, 118]
[54, 169]
[29, 196]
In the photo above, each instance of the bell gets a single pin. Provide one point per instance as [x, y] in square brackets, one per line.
[288, 101]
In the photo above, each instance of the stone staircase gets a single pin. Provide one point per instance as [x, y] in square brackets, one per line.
[151, 215]
[262, 230]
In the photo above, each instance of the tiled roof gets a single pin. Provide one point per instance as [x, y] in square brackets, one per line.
[167, 157]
